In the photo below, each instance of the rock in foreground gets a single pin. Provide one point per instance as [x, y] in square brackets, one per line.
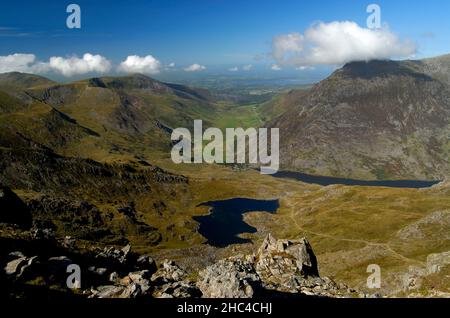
[280, 267]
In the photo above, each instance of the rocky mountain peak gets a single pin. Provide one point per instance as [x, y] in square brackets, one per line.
[379, 69]
[376, 119]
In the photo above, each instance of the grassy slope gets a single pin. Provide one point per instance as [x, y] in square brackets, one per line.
[232, 116]
[352, 227]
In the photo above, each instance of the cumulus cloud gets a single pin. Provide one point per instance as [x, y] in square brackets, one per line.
[195, 68]
[89, 63]
[275, 67]
[28, 63]
[171, 64]
[234, 69]
[247, 67]
[18, 62]
[338, 43]
[287, 43]
[137, 64]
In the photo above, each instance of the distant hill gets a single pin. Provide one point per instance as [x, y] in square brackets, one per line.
[101, 118]
[374, 120]
[16, 80]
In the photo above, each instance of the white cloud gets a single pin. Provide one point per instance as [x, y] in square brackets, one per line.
[337, 43]
[286, 43]
[28, 63]
[247, 67]
[17, 62]
[75, 66]
[234, 69]
[195, 68]
[172, 64]
[275, 67]
[137, 64]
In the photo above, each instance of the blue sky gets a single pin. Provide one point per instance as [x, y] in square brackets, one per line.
[216, 33]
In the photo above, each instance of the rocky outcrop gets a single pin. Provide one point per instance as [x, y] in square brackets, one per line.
[135, 284]
[286, 268]
[279, 267]
[413, 279]
[171, 281]
[435, 262]
[285, 258]
[19, 266]
[231, 278]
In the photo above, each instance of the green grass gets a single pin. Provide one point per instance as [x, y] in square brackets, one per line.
[232, 116]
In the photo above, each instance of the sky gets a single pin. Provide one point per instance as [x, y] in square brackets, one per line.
[200, 36]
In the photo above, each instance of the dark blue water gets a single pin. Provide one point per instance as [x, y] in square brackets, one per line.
[326, 181]
[225, 221]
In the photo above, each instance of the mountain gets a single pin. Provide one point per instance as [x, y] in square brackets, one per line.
[99, 118]
[74, 152]
[25, 122]
[373, 120]
[16, 80]
[436, 67]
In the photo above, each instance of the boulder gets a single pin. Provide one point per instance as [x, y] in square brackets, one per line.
[230, 278]
[109, 291]
[13, 267]
[21, 266]
[113, 291]
[182, 289]
[168, 272]
[132, 291]
[435, 262]
[141, 279]
[30, 269]
[276, 261]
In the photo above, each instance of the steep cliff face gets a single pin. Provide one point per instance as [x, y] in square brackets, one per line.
[379, 119]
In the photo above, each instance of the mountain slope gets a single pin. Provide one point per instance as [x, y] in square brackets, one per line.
[378, 119]
[25, 122]
[16, 80]
[132, 114]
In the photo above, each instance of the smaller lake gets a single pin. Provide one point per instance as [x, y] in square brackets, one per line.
[326, 181]
[226, 221]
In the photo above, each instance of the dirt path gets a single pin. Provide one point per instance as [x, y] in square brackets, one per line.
[368, 243]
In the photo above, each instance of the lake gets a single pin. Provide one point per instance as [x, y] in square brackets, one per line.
[326, 181]
[225, 220]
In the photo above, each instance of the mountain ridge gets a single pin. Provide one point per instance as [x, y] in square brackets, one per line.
[377, 119]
